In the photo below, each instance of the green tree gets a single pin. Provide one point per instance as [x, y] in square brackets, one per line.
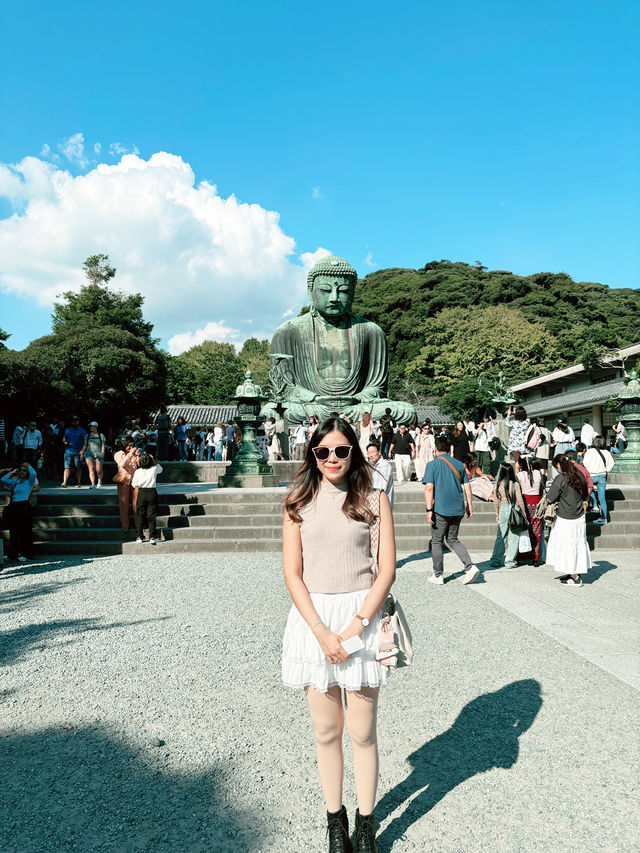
[213, 373]
[462, 345]
[580, 317]
[254, 356]
[101, 360]
[98, 270]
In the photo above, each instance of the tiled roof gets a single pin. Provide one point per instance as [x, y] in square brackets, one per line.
[568, 401]
[208, 415]
[202, 415]
[438, 418]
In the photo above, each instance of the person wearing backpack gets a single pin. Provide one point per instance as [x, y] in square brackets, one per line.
[387, 428]
[543, 450]
[598, 462]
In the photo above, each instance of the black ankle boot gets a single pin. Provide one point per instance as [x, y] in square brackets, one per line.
[366, 833]
[338, 832]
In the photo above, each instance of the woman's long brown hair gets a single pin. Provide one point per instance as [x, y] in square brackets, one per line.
[306, 481]
[572, 474]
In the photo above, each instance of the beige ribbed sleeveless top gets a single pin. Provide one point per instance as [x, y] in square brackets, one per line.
[336, 550]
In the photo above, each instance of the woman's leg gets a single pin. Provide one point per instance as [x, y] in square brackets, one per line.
[91, 465]
[361, 711]
[328, 722]
[152, 513]
[99, 469]
[511, 548]
[124, 492]
[141, 515]
[497, 557]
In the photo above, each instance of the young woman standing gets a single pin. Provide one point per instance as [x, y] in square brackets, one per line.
[507, 491]
[93, 453]
[568, 549]
[124, 458]
[532, 483]
[337, 592]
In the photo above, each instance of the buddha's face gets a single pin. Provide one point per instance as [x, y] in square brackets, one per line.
[332, 295]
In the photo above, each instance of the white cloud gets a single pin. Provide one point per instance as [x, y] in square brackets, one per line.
[48, 153]
[97, 148]
[206, 265]
[315, 193]
[210, 332]
[73, 149]
[118, 148]
[368, 261]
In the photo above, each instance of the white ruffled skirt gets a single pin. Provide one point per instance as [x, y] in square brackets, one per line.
[304, 664]
[568, 548]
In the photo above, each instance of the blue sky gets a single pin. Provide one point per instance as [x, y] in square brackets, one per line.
[391, 135]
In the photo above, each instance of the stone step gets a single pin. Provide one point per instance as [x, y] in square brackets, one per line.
[204, 546]
[415, 545]
[90, 548]
[88, 534]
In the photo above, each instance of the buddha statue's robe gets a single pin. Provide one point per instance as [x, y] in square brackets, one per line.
[333, 368]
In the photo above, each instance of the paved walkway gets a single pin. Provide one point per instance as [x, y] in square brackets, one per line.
[600, 621]
[141, 710]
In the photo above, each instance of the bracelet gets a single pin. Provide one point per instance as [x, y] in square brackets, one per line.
[313, 627]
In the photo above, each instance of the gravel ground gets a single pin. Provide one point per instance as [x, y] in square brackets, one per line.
[141, 710]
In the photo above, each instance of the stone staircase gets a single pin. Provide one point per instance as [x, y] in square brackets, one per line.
[211, 520]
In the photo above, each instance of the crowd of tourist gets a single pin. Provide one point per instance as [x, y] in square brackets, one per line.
[540, 457]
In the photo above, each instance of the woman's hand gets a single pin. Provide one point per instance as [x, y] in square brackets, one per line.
[354, 629]
[331, 645]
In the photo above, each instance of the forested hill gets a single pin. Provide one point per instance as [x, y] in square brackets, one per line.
[450, 321]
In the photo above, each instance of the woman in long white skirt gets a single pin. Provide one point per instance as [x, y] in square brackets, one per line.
[337, 596]
[568, 550]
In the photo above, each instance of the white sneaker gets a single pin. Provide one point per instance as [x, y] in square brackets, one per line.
[436, 579]
[472, 574]
[153, 541]
[99, 485]
[139, 540]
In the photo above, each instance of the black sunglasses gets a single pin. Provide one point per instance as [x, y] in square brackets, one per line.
[342, 451]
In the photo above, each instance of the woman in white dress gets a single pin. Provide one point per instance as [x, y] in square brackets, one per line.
[425, 445]
[568, 549]
[365, 433]
[330, 574]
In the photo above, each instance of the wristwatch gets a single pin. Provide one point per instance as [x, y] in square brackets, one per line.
[363, 619]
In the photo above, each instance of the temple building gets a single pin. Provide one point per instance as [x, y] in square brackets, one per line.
[577, 392]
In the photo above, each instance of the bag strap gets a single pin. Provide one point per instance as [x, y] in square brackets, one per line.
[604, 461]
[453, 468]
[374, 528]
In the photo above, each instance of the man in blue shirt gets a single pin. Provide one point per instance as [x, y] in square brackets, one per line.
[73, 443]
[445, 482]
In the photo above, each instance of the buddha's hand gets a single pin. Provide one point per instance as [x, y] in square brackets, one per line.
[368, 395]
[298, 394]
[337, 402]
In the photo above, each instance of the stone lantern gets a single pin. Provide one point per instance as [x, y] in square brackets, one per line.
[629, 397]
[249, 469]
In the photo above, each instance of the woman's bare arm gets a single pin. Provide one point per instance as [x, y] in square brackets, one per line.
[386, 571]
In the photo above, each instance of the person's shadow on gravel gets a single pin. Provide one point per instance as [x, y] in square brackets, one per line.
[484, 735]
